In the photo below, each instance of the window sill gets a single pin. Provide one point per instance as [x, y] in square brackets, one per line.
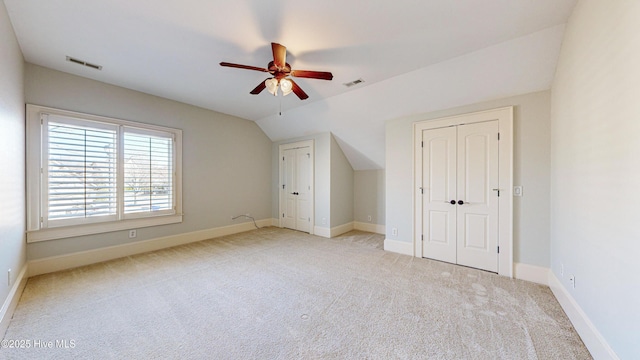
[99, 228]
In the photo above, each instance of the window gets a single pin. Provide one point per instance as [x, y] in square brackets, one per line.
[147, 173]
[95, 174]
[80, 171]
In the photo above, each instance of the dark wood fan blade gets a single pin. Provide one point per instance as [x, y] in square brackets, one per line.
[279, 55]
[259, 88]
[298, 91]
[322, 75]
[247, 67]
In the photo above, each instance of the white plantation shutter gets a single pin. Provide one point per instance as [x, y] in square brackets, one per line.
[97, 171]
[148, 172]
[90, 174]
[81, 171]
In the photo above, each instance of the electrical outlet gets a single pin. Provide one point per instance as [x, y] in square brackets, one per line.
[394, 231]
[132, 234]
[572, 281]
[369, 218]
[9, 277]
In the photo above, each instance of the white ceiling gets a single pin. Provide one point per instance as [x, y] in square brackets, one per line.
[415, 56]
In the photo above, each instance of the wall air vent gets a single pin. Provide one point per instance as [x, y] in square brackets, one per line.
[353, 83]
[84, 63]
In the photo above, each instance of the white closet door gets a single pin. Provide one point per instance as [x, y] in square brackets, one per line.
[477, 216]
[289, 176]
[297, 189]
[303, 189]
[460, 208]
[439, 189]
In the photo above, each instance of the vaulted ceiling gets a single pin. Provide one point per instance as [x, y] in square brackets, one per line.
[414, 56]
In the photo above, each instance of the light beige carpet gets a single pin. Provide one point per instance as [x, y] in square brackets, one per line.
[280, 294]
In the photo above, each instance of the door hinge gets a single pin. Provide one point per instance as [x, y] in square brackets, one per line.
[309, 220]
[422, 190]
[283, 158]
[282, 214]
[421, 143]
[283, 186]
[498, 249]
[422, 237]
[498, 136]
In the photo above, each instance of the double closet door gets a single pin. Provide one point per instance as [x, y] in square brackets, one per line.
[296, 188]
[460, 194]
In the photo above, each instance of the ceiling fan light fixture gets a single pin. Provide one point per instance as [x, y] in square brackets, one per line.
[272, 86]
[280, 70]
[286, 86]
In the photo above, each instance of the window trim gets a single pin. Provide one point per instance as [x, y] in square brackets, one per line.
[35, 191]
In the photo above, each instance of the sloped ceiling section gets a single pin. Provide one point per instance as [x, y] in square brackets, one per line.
[357, 118]
[414, 55]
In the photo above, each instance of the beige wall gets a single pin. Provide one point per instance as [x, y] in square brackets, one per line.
[368, 199]
[226, 160]
[595, 169]
[12, 189]
[531, 170]
[341, 187]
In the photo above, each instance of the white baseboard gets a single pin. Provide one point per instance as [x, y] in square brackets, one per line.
[536, 274]
[334, 231]
[9, 306]
[400, 247]
[591, 337]
[341, 229]
[322, 231]
[374, 228]
[69, 261]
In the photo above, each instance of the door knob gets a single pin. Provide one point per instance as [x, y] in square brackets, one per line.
[452, 202]
[460, 202]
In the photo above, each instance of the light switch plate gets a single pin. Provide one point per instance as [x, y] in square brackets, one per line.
[517, 191]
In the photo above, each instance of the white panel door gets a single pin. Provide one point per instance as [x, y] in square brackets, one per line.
[289, 178]
[439, 190]
[297, 189]
[303, 189]
[477, 208]
[460, 208]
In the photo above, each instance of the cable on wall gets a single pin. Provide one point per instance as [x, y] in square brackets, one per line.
[248, 217]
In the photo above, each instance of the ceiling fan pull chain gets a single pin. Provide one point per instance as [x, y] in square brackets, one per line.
[280, 112]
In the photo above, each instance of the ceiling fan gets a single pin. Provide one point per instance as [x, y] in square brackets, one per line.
[280, 70]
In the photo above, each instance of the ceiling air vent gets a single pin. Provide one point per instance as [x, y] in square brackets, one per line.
[353, 83]
[84, 63]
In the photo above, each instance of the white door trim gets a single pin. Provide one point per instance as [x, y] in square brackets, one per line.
[281, 193]
[505, 201]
